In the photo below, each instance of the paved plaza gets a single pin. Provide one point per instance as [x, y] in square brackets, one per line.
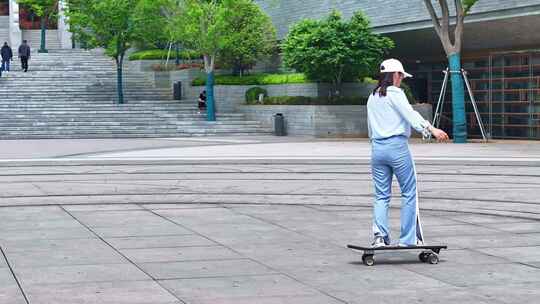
[259, 220]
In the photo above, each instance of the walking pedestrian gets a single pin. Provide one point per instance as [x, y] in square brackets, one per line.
[7, 56]
[390, 118]
[24, 55]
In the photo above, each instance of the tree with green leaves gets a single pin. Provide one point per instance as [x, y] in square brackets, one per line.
[150, 20]
[202, 26]
[335, 50]
[45, 10]
[252, 36]
[446, 33]
[108, 24]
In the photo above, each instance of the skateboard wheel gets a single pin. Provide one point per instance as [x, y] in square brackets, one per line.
[368, 260]
[423, 257]
[433, 258]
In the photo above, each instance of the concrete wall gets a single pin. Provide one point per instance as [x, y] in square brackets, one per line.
[320, 121]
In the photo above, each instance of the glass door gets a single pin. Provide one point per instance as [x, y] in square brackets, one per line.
[510, 87]
[535, 96]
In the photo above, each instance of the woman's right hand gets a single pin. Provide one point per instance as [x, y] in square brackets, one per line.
[439, 134]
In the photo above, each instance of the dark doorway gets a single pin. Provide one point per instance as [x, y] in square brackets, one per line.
[4, 7]
[419, 87]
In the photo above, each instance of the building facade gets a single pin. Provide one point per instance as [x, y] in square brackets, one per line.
[18, 23]
[501, 54]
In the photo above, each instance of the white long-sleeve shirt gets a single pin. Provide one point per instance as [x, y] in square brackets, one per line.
[392, 115]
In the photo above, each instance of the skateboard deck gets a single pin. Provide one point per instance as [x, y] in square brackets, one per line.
[429, 253]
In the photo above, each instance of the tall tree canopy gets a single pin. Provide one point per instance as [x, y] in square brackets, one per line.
[335, 50]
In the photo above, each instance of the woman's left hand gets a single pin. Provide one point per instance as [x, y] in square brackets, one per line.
[439, 134]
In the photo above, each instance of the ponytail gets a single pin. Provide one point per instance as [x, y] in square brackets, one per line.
[385, 80]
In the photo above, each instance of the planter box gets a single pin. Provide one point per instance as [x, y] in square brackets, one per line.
[230, 97]
[320, 121]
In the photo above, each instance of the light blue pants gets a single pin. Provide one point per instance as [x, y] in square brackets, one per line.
[391, 156]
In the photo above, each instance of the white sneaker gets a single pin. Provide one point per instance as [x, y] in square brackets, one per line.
[378, 242]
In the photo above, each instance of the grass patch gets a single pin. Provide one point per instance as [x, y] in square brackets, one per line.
[162, 55]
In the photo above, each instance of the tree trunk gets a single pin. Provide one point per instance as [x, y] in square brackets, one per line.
[210, 104]
[458, 99]
[119, 80]
[210, 108]
[43, 48]
[453, 51]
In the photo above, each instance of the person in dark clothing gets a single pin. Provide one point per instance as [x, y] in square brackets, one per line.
[24, 54]
[7, 56]
[202, 102]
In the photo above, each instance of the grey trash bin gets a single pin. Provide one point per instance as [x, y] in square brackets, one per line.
[279, 125]
[177, 90]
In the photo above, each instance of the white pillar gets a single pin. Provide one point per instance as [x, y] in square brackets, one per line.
[64, 35]
[15, 33]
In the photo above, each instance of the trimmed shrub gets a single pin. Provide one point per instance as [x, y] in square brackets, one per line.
[162, 54]
[303, 100]
[257, 79]
[173, 67]
[252, 95]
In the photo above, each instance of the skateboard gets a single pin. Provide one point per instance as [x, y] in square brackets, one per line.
[429, 254]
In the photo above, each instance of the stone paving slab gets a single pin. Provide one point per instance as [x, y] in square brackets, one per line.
[510, 293]
[318, 299]
[518, 254]
[56, 233]
[9, 291]
[79, 274]
[202, 269]
[164, 228]
[118, 218]
[38, 225]
[524, 227]
[204, 290]
[199, 253]
[480, 274]
[97, 208]
[159, 241]
[134, 292]
[500, 240]
[416, 295]
[81, 256]
[50, 245]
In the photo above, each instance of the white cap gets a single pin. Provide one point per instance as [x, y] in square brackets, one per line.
[393, 65]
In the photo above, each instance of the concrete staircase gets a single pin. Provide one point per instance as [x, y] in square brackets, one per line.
[4, 30]
[34, 39]
[72, 94]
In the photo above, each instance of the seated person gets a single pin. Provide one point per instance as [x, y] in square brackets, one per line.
[202, 102]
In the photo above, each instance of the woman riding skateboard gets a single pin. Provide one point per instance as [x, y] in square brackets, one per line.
[390, 118]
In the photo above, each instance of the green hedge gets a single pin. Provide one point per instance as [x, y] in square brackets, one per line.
[162, 54]
[302, 100]
[258, 79]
